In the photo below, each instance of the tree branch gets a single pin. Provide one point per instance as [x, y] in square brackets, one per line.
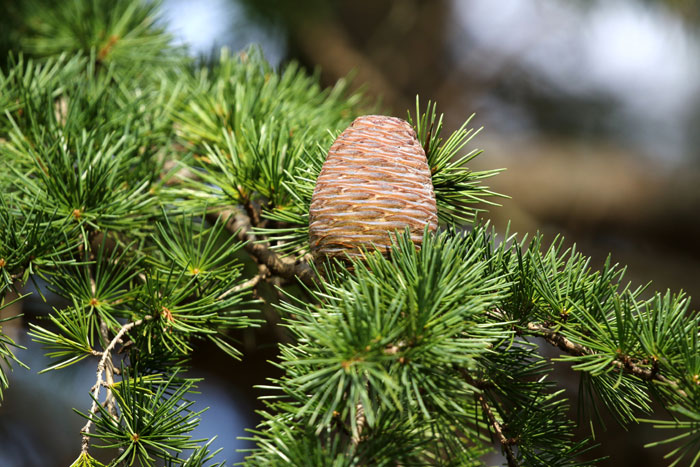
[101, 366]
[108, 369]
[622, 362]
[558, 340]
[249, 284]
[481, 385]
[506, 444]
[239, 224]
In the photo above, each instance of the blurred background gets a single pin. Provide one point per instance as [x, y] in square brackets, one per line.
[592, 106]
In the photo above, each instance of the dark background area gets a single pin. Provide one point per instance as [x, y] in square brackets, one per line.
[593, 107]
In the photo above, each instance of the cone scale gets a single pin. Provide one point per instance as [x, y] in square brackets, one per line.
[375, 180]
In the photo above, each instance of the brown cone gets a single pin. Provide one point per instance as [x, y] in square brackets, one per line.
[375, 180]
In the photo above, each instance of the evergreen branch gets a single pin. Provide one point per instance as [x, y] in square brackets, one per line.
[154, 420]
[558, 340]
[620, 342]
[125, 32]
[496, 426]
[403, 359]
[240, 225]
[623, 362]
[101, 367]
[249, 284]
[385, 339]
[109, 370]
[506, 444]
[183, 306]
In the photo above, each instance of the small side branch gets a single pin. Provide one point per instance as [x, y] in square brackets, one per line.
[239, 224]
[105, 360]
[558, 340]
[505, 443]
[249, 284]
[626, 364]
[108, 369]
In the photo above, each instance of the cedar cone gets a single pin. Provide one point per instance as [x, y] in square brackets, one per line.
[375, 181]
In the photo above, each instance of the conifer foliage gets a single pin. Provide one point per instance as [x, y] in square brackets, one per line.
[134, 180]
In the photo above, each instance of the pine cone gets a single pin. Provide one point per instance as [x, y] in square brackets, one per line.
[375, 181]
